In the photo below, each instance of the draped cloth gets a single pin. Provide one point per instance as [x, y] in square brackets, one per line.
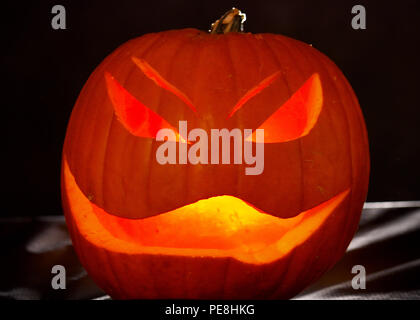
[387, 245]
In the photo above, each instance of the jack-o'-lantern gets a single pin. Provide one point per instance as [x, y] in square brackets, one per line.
[144, 229]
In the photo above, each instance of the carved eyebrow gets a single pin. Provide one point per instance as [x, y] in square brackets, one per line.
[253, 92]
[296, 117]
[153, 75]
[138, 119]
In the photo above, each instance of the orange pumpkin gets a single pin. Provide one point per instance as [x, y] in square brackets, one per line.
[146, 230]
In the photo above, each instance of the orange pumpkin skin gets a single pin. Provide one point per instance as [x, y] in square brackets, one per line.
[106, 165]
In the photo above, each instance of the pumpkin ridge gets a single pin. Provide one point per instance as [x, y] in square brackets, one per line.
[299, 140]
[348, 130]
[283, 75]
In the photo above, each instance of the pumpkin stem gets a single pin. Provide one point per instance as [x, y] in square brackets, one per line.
[231, 21]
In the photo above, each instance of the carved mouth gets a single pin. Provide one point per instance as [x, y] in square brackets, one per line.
[222, 226]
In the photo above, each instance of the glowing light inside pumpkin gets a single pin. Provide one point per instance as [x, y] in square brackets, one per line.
[161, 82]
[138, 119]
[296, 117]
[218, 226]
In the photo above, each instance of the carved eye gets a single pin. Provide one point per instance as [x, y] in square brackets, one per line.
[253, 92]
[153, 75]
[295, 118]
[138, 119]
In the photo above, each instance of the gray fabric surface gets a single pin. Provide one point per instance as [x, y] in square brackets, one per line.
[386, 244]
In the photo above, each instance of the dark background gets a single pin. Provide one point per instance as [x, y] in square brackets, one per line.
[43, 71]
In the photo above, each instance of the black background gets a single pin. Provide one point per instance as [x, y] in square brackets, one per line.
[43, 71]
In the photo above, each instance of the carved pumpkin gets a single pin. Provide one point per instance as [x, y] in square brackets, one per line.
[146, 230]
